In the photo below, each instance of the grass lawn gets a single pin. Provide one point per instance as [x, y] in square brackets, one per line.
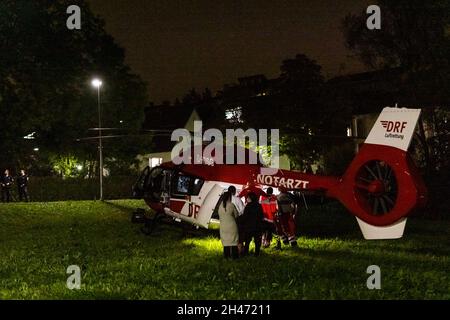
[38, 241]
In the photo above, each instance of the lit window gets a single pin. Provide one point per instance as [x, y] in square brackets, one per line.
[234, 115]
[154, 162]
[349, 132]
[30, 136]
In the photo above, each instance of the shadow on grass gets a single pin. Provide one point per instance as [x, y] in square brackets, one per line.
[122, 208]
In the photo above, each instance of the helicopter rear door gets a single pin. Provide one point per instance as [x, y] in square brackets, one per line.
[208, 206]
[198, 209]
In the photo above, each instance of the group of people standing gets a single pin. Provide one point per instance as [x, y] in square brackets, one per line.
[241, 224]
[7, 182]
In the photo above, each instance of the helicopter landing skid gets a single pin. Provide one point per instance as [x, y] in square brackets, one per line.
[150, 223]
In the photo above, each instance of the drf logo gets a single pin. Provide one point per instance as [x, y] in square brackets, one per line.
[193, 210]
[394, 126]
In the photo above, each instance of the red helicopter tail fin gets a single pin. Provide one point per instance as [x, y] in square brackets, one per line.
[382, 185]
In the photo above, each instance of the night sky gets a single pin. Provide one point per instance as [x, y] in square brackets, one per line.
[179, 45]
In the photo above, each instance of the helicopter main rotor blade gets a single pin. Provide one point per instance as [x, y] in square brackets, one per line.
[121, 136]
[124, 129]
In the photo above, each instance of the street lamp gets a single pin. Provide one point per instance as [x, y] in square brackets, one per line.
[97, 83]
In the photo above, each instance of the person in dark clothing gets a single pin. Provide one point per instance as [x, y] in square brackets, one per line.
[22, 185]
[252, 223]
[6, 183]
[270, 209]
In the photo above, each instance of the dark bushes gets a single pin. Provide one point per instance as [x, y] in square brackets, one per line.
[58, 189]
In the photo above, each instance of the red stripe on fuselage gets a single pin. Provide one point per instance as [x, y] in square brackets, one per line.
[176, 205]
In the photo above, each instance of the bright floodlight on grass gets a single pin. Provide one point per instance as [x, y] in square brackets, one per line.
[97, 83]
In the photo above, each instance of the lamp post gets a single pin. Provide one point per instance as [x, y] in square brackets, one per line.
[97, 83]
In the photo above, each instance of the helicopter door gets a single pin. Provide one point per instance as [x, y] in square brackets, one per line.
[208, 206]
[166, 186]
[140, 186]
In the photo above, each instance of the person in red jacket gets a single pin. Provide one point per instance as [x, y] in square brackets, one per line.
[269, 206]
[251, 187]
[286, 212]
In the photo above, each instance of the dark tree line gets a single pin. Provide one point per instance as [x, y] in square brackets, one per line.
[413, 45]
[45, 74]
[415, 39]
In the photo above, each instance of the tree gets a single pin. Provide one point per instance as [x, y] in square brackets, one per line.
[307, 113]
[415, 38]
[192, 98]
[298, 103]
[414, 34]
[45, 72]
[301, 75]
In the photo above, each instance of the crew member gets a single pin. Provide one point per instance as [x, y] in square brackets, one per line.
[251, 223]
[6, 183]
[22, 185]
[269, 206]
[286, 211]
[251, 187]
[239, 205]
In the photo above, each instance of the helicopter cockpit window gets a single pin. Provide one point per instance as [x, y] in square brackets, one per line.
[183, 184]
[187, 185]
[197, 185]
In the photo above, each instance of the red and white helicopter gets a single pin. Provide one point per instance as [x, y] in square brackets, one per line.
[381, 187]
